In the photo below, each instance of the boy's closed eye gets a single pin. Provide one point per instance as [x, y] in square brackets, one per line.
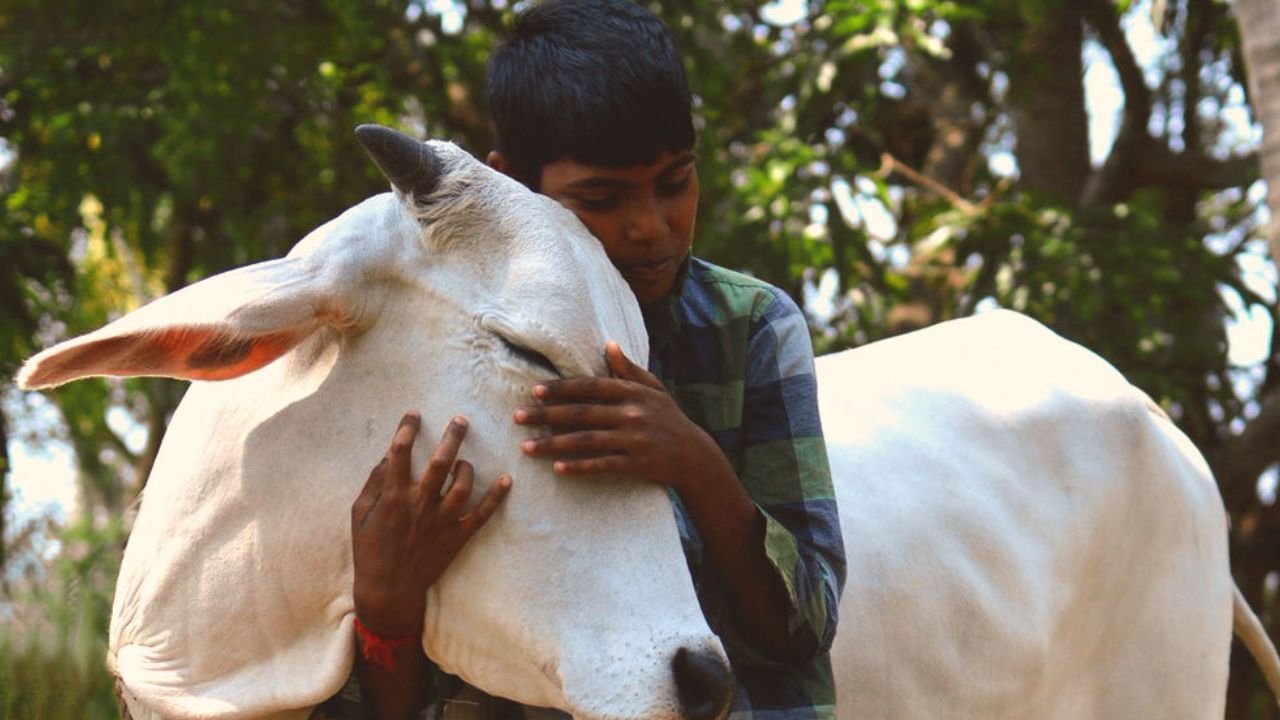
[596, 193]
[607, 198]
[673, 187]
[597, 200]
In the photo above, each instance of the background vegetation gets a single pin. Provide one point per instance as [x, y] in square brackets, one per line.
[901, 162]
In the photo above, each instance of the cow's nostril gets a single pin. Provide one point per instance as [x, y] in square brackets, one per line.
[703, 683]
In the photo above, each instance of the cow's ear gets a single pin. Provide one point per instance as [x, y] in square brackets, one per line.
[219, 328]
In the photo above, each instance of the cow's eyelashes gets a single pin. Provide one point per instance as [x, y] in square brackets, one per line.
[532, 357]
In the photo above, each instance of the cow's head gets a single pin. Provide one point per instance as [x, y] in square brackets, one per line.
[454, 294]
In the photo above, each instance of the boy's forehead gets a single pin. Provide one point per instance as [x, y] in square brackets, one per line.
[568, 171]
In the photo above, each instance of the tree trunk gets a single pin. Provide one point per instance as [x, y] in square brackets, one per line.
[1259, 22]
[955, 89]
[1260, 34]
[1047, 102]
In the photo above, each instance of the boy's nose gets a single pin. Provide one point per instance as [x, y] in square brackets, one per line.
[647, 224]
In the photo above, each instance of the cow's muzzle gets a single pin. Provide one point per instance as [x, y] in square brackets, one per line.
[703, 683]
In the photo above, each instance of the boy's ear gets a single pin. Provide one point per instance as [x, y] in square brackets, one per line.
[499, 162]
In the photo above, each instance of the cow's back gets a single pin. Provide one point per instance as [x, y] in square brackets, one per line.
[1026, 537]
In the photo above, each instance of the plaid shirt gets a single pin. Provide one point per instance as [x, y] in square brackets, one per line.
[735, 353]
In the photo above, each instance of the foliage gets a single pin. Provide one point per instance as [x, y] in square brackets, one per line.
[930, 156]
[51, 649]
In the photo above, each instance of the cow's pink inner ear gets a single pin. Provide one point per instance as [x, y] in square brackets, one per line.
[218, 356]
[191, 353]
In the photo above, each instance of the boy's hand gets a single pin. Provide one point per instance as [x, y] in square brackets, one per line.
[625, 425]
[404, 533]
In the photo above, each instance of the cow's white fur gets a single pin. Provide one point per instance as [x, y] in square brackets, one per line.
[234, 599]
[1026, 539]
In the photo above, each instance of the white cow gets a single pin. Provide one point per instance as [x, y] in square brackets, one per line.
[234, 597]
[1026, 537]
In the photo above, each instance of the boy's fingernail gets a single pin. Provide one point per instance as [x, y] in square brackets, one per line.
[528, 445]
[539, 390]
[520, 416]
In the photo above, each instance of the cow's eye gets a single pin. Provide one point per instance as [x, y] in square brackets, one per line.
[532, 357]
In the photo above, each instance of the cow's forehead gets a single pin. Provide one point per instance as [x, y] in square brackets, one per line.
[476, 209]
[476, 215]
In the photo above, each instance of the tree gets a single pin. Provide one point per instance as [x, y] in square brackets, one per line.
[1260, 31]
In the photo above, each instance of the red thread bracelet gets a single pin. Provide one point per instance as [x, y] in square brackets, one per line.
[380, 650]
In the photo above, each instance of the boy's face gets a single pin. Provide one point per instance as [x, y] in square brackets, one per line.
[643, 214]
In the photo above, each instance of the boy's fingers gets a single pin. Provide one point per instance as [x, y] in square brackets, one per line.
[369, 494]
[605, 465]
[624, 368]
[456, 499]
[582, 442]
[575, 414]
[401, 450]
[443, 459]
[599, 389]
[494, 497]
[617, 361]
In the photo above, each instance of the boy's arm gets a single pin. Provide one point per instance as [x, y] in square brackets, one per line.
[735, 536]
[783, 466]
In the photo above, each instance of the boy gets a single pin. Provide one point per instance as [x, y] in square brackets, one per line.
[592, 108]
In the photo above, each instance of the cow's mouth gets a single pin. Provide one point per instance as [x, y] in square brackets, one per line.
[530, 357]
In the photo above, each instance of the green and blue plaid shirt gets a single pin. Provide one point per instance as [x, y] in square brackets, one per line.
[735, 354]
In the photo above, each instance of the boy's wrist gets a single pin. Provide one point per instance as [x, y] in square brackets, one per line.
[385, 617]
[707, 477]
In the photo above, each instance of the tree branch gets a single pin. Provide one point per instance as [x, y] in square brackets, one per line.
[1121, 173]
[889, 165]
[118, 443]
[1105, 21]
[1194, 171]
[1146, 163]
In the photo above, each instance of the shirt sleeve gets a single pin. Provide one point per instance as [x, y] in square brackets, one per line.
[783, 468]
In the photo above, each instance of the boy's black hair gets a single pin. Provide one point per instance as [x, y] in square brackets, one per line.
[596, 81]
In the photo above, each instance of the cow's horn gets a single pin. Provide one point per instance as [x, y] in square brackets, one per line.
[409, 164]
